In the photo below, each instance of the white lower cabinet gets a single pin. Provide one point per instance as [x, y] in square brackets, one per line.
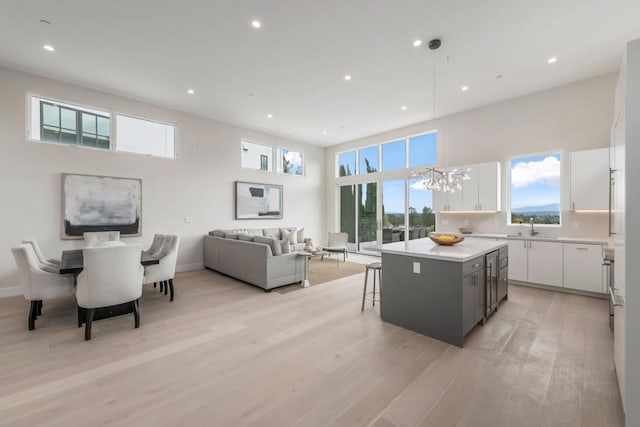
[583, 267]
[545, 263]
[568, 265]
[518, 260]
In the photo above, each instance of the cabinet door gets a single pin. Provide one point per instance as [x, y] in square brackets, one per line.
[470, 190]
[545, 263]
[439, 201]
[454, 201]
[503, 284]
[590, 180]
[518, 260]
[583, 267]
[469, 289]
[489, 180]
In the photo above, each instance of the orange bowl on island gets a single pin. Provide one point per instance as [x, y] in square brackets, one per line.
[445, 239]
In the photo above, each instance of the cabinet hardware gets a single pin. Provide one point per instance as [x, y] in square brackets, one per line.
[479, 207]
[525, 244]
[582, 249]
[476, 265]
[573, 206]
[529, 245]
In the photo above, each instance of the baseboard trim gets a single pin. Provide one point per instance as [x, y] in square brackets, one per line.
[10, 292]
[189, 267]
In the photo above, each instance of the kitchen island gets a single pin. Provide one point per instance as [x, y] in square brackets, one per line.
[442, 291]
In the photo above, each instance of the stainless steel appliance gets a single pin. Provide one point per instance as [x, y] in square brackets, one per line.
[492, 265]
[607, 262]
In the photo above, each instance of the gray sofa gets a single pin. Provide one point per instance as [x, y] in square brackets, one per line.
[255, 256]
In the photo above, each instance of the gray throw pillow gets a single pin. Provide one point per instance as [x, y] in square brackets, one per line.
[217, 233]
[300, 235]
[245, 237]
[274, 244]
[231, 236]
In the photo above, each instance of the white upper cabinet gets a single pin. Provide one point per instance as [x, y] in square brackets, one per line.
[590, 180]
[479, 193]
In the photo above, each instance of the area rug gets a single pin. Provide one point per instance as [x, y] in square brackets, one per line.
[325, 271]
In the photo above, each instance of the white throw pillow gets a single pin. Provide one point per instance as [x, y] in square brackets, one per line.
[286, 247]
[290, 236]
[300, 235]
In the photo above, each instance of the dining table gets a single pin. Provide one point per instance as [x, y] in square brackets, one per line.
[72, 262]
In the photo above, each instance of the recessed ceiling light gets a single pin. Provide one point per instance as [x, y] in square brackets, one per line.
[464, 88]
[347, 77]
[324, 132]
[552, 60]
[269, 116]
[404, 107]
[256, 24]
[191, 91]
[417, 43]
[49, 48]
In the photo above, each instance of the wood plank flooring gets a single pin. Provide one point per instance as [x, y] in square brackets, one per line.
[227, 354]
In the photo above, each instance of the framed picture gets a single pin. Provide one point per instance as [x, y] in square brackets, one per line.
[258, 201]
[100, 203]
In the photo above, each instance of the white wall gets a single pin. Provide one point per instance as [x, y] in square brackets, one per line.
[199, 184]
[567, 118]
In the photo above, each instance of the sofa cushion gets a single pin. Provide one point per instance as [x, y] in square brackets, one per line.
[254, 231]
[217, 233]
[271, 232]
[289, 235]
[230, 235]
[274, 244]
[245, 237]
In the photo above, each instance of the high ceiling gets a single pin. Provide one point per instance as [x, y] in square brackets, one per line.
[293, 66]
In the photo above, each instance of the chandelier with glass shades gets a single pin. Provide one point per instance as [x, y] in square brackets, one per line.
[447, 181]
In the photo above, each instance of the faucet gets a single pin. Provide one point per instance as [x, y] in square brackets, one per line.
[533, 232]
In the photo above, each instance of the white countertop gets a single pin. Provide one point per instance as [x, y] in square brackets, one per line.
[425, 248]
[586, 240]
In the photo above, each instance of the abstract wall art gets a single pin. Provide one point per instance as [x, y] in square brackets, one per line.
[100, 203]
[258, 201]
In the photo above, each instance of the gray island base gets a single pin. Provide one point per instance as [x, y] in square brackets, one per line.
[442, 291]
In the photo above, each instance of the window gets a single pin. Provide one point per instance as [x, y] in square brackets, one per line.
[290, 162]
[368, 160]
[256, 156]
[423, 150]
[535, 189]
[347, 163]
[57, 122]
[394, 155]
[144, 137]
[422, 219]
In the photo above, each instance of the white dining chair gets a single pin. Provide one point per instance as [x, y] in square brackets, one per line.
[110, 276]
[92, 238]
[38, 284]
[156, 245]
[165, 271]
[51, 262]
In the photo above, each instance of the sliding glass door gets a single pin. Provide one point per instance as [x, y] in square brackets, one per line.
[393, 211]
[348, 214]
[368, 216]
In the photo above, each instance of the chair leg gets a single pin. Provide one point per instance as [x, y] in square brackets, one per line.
[161, 286]
[33, 309]
[136, 314]
[374, 288]
[87, 329]
[171, 289]
[40, 308]
[80, 316]
[154, 284]
[166, 287]
[364, 292]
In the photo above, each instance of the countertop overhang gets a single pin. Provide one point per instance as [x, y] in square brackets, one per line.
[426, 248]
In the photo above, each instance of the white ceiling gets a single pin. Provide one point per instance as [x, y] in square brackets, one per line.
[154, 50]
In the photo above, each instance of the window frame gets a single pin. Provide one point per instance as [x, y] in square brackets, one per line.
[272, 150]
[509, 189]
[173, 125]
[97, 111]
[279, 161]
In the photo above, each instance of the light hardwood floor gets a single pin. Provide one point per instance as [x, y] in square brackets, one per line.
[228, 354]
